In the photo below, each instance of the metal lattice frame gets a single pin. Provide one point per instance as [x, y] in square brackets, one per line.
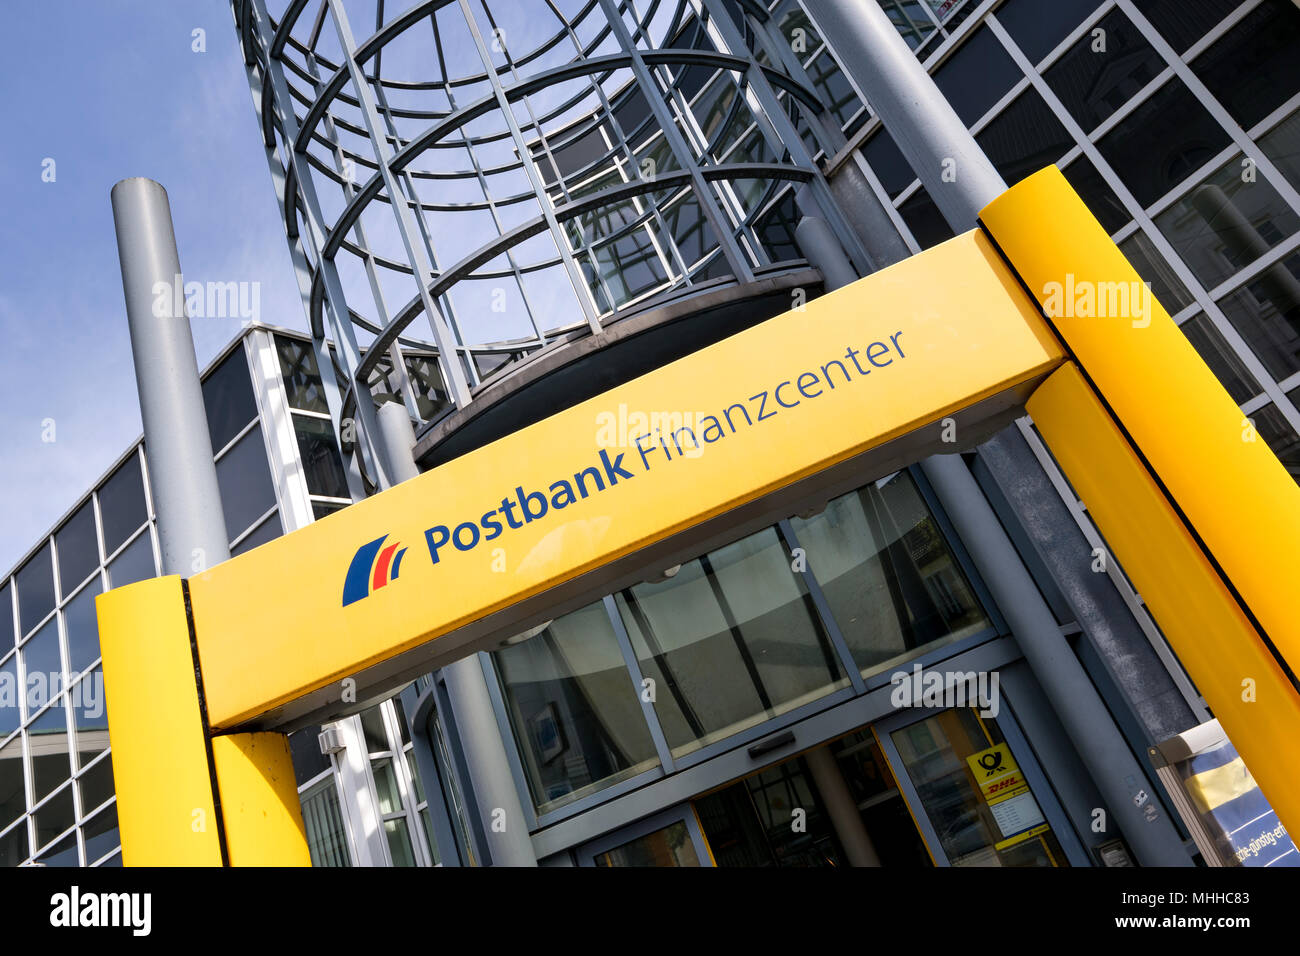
[645, 138]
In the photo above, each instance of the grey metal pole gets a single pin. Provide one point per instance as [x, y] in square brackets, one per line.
[952, 167]
[824, 251]
[1082, 713]
[191, 525]
[499, 808]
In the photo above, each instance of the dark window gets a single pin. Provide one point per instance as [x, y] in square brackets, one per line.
[96, 784]
[1152, 267]
[48, 739]
[268, 530]
[1037, 27]
[924, 219]
[77, 547]
[1267, 314]
[1101, 199]
[1024, 138]
[430, 393]
[320, 509]
[1094, 82]
[1220, 357]
[6, 619]
[1255, 67]
[121, 504]
[82, 628]
[1183, 22]
[135, 563]
[228, 398]
[245, 482]
[101, 834]
[35, 581]
[304, 748]
[51, 820]
[13, 845]
[887, 162]
[12, 800]
[1162, 142]
[301, 375]
[977, 75]
[320, 457]
[10, 716]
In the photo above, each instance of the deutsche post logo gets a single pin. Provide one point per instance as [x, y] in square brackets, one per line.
[371, 569]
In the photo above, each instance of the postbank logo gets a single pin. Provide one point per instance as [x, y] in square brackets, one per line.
[372, 567]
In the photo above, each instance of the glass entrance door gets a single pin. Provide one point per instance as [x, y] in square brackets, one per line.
[971, 798]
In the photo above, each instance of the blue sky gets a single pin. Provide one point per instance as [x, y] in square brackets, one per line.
[110, 90]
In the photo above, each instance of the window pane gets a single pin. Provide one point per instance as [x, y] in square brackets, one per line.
[1252, 69]
[1167, 138]
[320, 509]
[47, 738]
[78, 548]
[909, 19]
[923, 218]
[101, 834]
[1227, 222]
[671, 846]
[399, 842]
[13, 845]
[887, 162]
[63, 853]
[1093, 80]
[390, 797]
[1094, 191]
[575, 711]
[1142, 254]
[35, 581]
[268, 530]
[245, 481]
[372, 725]
[730, 640]
[6, 619]
[1216, 352]
[304, 748]
[327, 839]
[431, 396]
[10, 691]
[1267, 314]
[228, 399]
[42, 666]
[1038, 27]
[1183, 22]
[121, 504]
[1281, 437]
[320, 457]
[12, 800]
[89, 715]
[301, 374]
[1282, 146]
[977, 75]
[82, 628]
[1024, 138]
[892, 582]
[53, 818]
[96, 784]
[135, 563]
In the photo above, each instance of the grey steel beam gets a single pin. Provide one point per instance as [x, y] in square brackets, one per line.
[182, 475]
[929, 133]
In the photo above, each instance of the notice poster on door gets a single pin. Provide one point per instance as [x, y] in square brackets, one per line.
[1005, 791]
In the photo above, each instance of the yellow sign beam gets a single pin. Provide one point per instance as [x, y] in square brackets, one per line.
[1214, 640]
[754, 413]
[1235, 495]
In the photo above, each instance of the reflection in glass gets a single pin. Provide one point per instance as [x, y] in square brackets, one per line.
[135, 563]
[100, 834]
[35, 586]
[320, 457]
[12, 800]
[121, 504]
[1266, 38]
[1142, 254]
[52, 819]
[1221, 358]
[575, 712]
[244, 478]
[1038, 27]
[730, 640]
[1227, 222]
[1093, 83]
[1266, 311]
[893, 584]
[228, 400]
[47, 741]
[398, 836]
[302, 379]
[82, 628]
[1281, 437]
[78, 548]
[935, 753]
[670, 846]
[327, 839]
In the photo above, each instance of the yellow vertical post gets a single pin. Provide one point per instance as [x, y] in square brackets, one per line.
[166, 814]
[259, 800]
[162, 768]
[1188, 599]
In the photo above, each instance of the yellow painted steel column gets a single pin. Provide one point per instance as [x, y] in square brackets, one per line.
[1233, 492]
[259, 800]
[1202, 621]
[166, 815]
